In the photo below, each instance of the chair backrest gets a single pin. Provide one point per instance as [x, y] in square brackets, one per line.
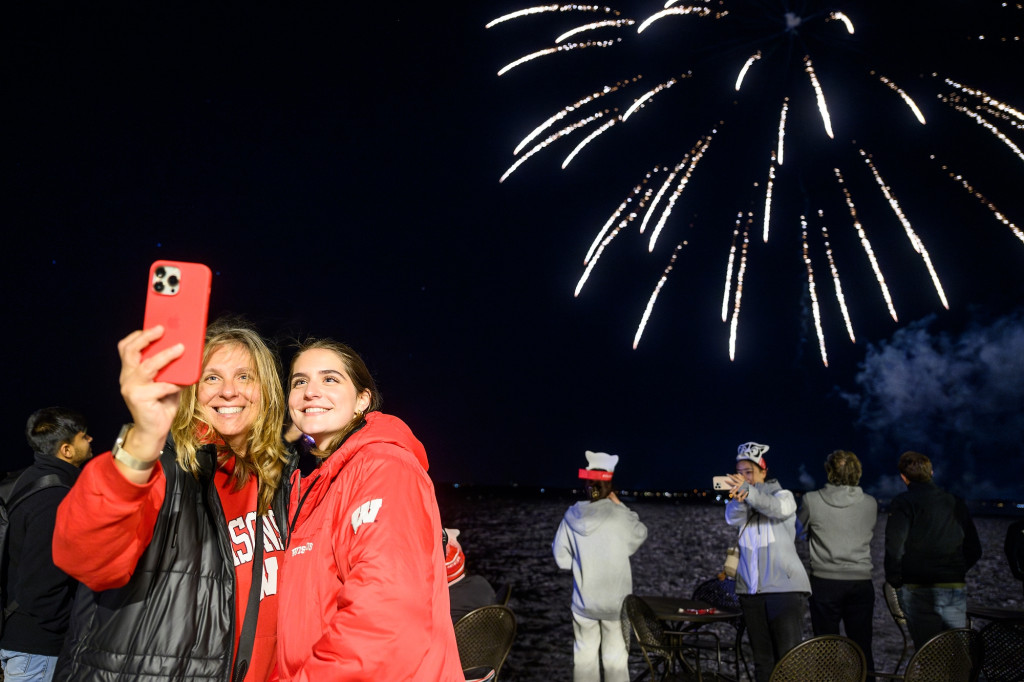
[893, 602]
[900, 618]
[719, 593]
[950, 656]
[829, 657]
[485, 636]
[645, 625]
[1003, 646]
[637, 616]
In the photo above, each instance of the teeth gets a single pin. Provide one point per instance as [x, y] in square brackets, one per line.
[228, 410]
[310, 410]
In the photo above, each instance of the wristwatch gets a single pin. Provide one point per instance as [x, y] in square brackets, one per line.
[126, 458]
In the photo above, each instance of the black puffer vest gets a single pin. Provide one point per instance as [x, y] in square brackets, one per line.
[175, 619]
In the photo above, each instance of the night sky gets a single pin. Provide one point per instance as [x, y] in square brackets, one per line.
[337, 165]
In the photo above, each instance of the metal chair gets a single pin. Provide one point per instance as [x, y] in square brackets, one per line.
[950, 656]
[480, 674]
[722, 595]
[485, 636]
[1003, 646]
[662, 647]
[828, 658]
[900, 618]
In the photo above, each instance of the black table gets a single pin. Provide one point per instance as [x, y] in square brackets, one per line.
[688, 614]
[996, 613]
[676, 609]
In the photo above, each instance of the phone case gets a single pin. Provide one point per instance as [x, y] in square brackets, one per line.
[721, 483]
[178, 297]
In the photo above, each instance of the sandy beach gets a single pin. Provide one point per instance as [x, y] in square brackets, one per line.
[507, 539]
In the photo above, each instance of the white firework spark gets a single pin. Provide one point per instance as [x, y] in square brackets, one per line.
[653, 201]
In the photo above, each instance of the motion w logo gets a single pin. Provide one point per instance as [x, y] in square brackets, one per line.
[367, 513]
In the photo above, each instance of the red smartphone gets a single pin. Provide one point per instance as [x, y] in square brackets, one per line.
[178, 297]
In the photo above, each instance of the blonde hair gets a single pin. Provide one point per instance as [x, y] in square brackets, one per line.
[843, 468]
[357, 373]
[265, 452]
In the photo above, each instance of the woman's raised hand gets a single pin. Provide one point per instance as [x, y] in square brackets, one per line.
[737, 483]
[152, 404]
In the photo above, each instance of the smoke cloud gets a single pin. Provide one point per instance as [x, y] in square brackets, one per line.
[956, 397]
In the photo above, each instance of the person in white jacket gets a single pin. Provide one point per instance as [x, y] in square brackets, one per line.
[595, 540]
[771, 581]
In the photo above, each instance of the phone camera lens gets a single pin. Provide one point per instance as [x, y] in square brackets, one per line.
[173, 280]
[158, 287]
[160, 272]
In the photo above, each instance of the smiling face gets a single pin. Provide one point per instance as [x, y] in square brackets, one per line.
[322, 399]
[229, 395]
[750, 471]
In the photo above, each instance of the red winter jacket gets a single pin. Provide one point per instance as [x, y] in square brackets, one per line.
[363, 589]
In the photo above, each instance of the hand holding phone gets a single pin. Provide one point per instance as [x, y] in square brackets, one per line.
[722, 483]
[178, 298]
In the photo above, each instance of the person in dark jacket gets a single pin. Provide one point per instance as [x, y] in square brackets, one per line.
[162, 532]
[466, 592]
[930, 544]
[39, 594]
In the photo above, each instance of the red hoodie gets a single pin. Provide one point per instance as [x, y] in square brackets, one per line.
[363, 590]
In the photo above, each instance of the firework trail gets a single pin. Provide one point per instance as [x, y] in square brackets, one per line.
[981, 197]
[866, 243]
[792, 63]
[840, 299]
[915, 240]
[813, 291]
[654, 295]
[734, 323]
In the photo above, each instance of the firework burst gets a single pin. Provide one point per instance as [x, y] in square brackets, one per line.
[812, 109]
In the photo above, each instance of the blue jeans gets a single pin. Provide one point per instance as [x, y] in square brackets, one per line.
[27, 667]
[931, 610]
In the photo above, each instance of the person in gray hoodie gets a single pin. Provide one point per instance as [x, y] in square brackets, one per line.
[595, 540]
[839, 520]
[771, 582]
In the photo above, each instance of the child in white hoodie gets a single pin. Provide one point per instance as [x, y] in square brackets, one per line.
[595, 540]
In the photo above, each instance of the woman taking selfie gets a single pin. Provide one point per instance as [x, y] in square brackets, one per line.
[771, 582]
[161, 532]
[364, 594]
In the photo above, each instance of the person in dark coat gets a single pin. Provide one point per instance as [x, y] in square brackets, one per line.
[467, 592]
[38, 594]
[930, 544]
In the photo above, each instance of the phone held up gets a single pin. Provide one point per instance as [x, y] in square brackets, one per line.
[721, 483]
[178, 297]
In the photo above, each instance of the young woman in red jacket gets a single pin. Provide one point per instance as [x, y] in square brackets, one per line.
[364, 593]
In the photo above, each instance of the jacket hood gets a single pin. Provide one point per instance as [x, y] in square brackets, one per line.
[379, 428]
[585, 517]
[841, 495]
